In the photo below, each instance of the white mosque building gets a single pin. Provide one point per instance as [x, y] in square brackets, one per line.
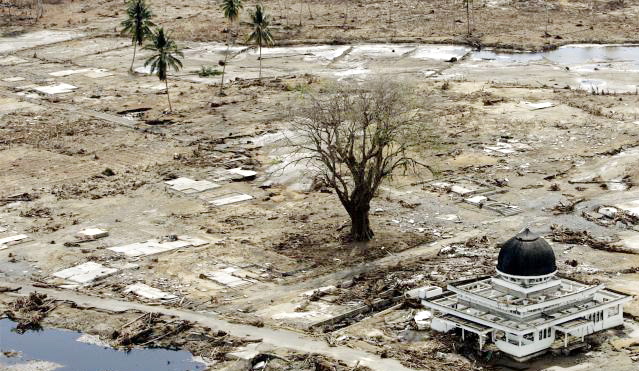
[525, 308]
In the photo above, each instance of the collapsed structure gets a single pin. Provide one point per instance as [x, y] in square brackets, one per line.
[525, 308]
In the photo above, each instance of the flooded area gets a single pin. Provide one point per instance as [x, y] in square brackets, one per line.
[64, 350]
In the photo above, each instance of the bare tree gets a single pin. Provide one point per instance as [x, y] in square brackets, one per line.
[355, 138]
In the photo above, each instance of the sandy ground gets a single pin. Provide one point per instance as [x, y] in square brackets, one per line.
[518, 24]
[288, 239]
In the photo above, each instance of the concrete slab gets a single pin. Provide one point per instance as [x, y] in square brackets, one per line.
[230, 199]
[13, 79]
[60, 88]
[538, 106]
[85, 273]
[242, 172]
[36, 38]
[68, 72]
[476, 200]
[189, 186]
[98, 74]
[148, 292]
[11, 60]
[5, 242]
[90, 234]
[631, 207]
[155, 246]
[225, 277]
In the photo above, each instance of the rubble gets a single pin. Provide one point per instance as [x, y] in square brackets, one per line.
[29, 311]
[148, 292]
[565, 235]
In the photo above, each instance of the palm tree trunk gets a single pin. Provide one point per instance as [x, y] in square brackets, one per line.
[260, 61]
[166, 83]
[228, 47]
[301, 10]
[135, 46]
[468, 15]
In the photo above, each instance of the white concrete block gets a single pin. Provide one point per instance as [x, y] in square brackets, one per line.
[155, 246]
[244, 173]
[608, 211]
[5, 242]
[476, 200]
[148, 292]
[85, 273]
[231, 199]
[188, 186]
[60, 88]
[92, 234]
[461, 190]
[13, 79]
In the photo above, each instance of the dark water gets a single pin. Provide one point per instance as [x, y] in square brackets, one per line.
[569, 55]
[61, 347]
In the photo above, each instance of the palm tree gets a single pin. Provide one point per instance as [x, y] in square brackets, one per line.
[165, 57]
[467, 3]
[261, 34]
[138, 24]
[231, 10]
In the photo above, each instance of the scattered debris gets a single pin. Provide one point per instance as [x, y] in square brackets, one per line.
[29, 311]
[566, 207]
[565, 235]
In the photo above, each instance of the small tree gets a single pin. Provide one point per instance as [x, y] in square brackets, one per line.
[137, 24]
[231, 10]
[261, 34]
[356, 138]
[166, 56]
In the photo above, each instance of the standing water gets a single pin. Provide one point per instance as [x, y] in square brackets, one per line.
[63, 348]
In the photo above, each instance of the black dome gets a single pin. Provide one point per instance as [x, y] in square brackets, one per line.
[526, 254]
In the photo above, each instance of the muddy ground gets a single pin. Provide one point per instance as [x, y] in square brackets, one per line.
[99, 156]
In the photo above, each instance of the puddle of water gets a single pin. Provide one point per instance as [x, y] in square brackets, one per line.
[62, 347]
[568, 55]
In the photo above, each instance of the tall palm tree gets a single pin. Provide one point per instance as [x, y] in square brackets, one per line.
[166, 56]
[231, 10]
[261, 34]
[138, 24]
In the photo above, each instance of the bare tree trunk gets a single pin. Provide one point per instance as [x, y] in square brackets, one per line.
[360, 225]
[135, 47]
[166, 83]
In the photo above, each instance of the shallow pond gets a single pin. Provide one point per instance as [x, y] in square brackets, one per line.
[63, 348]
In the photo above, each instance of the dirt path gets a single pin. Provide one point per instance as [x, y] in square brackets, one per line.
[279, 338]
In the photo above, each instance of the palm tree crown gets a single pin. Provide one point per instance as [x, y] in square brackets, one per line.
[138, 23]
[166, 54]
[231, 9]
[261, 34]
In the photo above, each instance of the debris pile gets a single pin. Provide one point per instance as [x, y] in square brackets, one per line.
[29, 311]
[562, 234]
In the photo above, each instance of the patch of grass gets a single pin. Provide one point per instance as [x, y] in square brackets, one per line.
[206, 71]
